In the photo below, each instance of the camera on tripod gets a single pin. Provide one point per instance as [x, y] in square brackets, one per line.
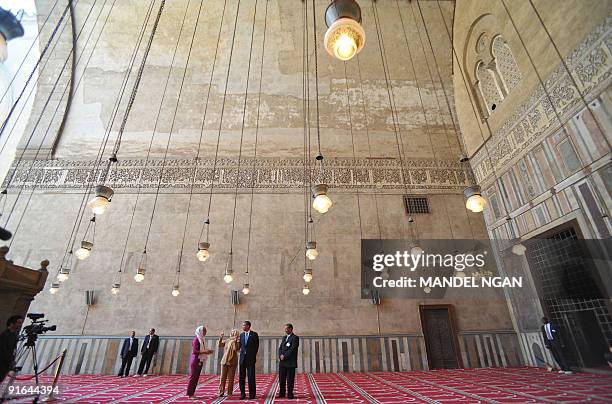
[35, 328]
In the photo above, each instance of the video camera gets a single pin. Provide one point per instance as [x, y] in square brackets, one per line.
[31, 331]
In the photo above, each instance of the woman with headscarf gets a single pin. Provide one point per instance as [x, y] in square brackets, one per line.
[198, 355]
[229, 362]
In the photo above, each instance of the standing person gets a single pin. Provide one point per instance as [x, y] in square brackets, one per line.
[229, 362]
[287, 355]
[553, 341]
[198, 356]
[8, 344]
[129, 350]
[148, 351]
[249, 345]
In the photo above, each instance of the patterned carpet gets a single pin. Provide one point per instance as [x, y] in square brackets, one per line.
[492, 385]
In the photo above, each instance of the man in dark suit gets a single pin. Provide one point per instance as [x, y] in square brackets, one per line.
[287, 355]
[553, 341]
[129, 350]
[8, 345]
[249, 345]
[149, 349]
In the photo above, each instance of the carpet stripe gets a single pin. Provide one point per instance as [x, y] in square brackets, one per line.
[405, 390]
[315, 389]
[358, 389]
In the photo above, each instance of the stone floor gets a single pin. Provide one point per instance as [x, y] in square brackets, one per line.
[491, 385]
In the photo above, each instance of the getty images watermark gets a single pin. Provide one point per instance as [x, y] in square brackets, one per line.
[434, 269]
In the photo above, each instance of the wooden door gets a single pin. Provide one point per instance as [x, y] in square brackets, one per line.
[440, 337]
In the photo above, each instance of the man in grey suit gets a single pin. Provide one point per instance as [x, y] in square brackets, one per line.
[287, 355]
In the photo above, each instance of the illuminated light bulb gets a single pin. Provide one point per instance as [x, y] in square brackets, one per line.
[306, 289]
[321, 202]
[203, 252]
[519, 249]
[307, 275]
[345, 37]
[63, 274]
[54, 288]
[474, 200]
[99, 204]
[84, 251]
[115, 288]
[416, 251]
[311, 250]
[175, 291]
[246, 289]
[140, 274]
[228, 278]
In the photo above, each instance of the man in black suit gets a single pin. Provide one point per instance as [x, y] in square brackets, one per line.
[129, 350]
[287, 354]
[249, 345]
[149, 349]
[8, 344]
[553, 341]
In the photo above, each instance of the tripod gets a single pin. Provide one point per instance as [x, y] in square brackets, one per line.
[22, 353]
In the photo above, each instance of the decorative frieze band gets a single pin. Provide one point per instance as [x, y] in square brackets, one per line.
[591, 67]
[385, 174]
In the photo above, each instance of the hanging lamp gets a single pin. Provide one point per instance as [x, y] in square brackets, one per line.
[84, 251]
[175, 291]
[228, 277]
[519, 248]
[321, 202]
[54, 288]
[473, 199]
[100, 203]
[345, 37]
[306, 289]
[115, 288]
[203, 253]
[307, 275]
[246, 289]
[142, 268]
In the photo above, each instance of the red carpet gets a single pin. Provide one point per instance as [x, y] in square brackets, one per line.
[492, 385]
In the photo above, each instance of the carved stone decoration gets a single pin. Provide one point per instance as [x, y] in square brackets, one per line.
[268, 174]
[591, 66]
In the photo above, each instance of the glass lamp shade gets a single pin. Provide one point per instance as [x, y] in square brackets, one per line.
[140, 275]
[63, 274]
[321, 202]
[175, 291]
[311, 250]
[203, 253]
[344, 39]
[474, 200]
[306, 289]
[84, 251]
[115, 288]
[246, 289]
[519, 249]
[416, 251]
[228, 278]
[99, 203]
[307, 275]
[54, 288]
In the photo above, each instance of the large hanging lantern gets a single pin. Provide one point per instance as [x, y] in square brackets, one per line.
[84, 251]
[54, 288]
[306, 289]
[101, 201]
[311, 250]
[473, 199]
[203, 253]
[321, 202]
[307, 275]
[345, 37]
